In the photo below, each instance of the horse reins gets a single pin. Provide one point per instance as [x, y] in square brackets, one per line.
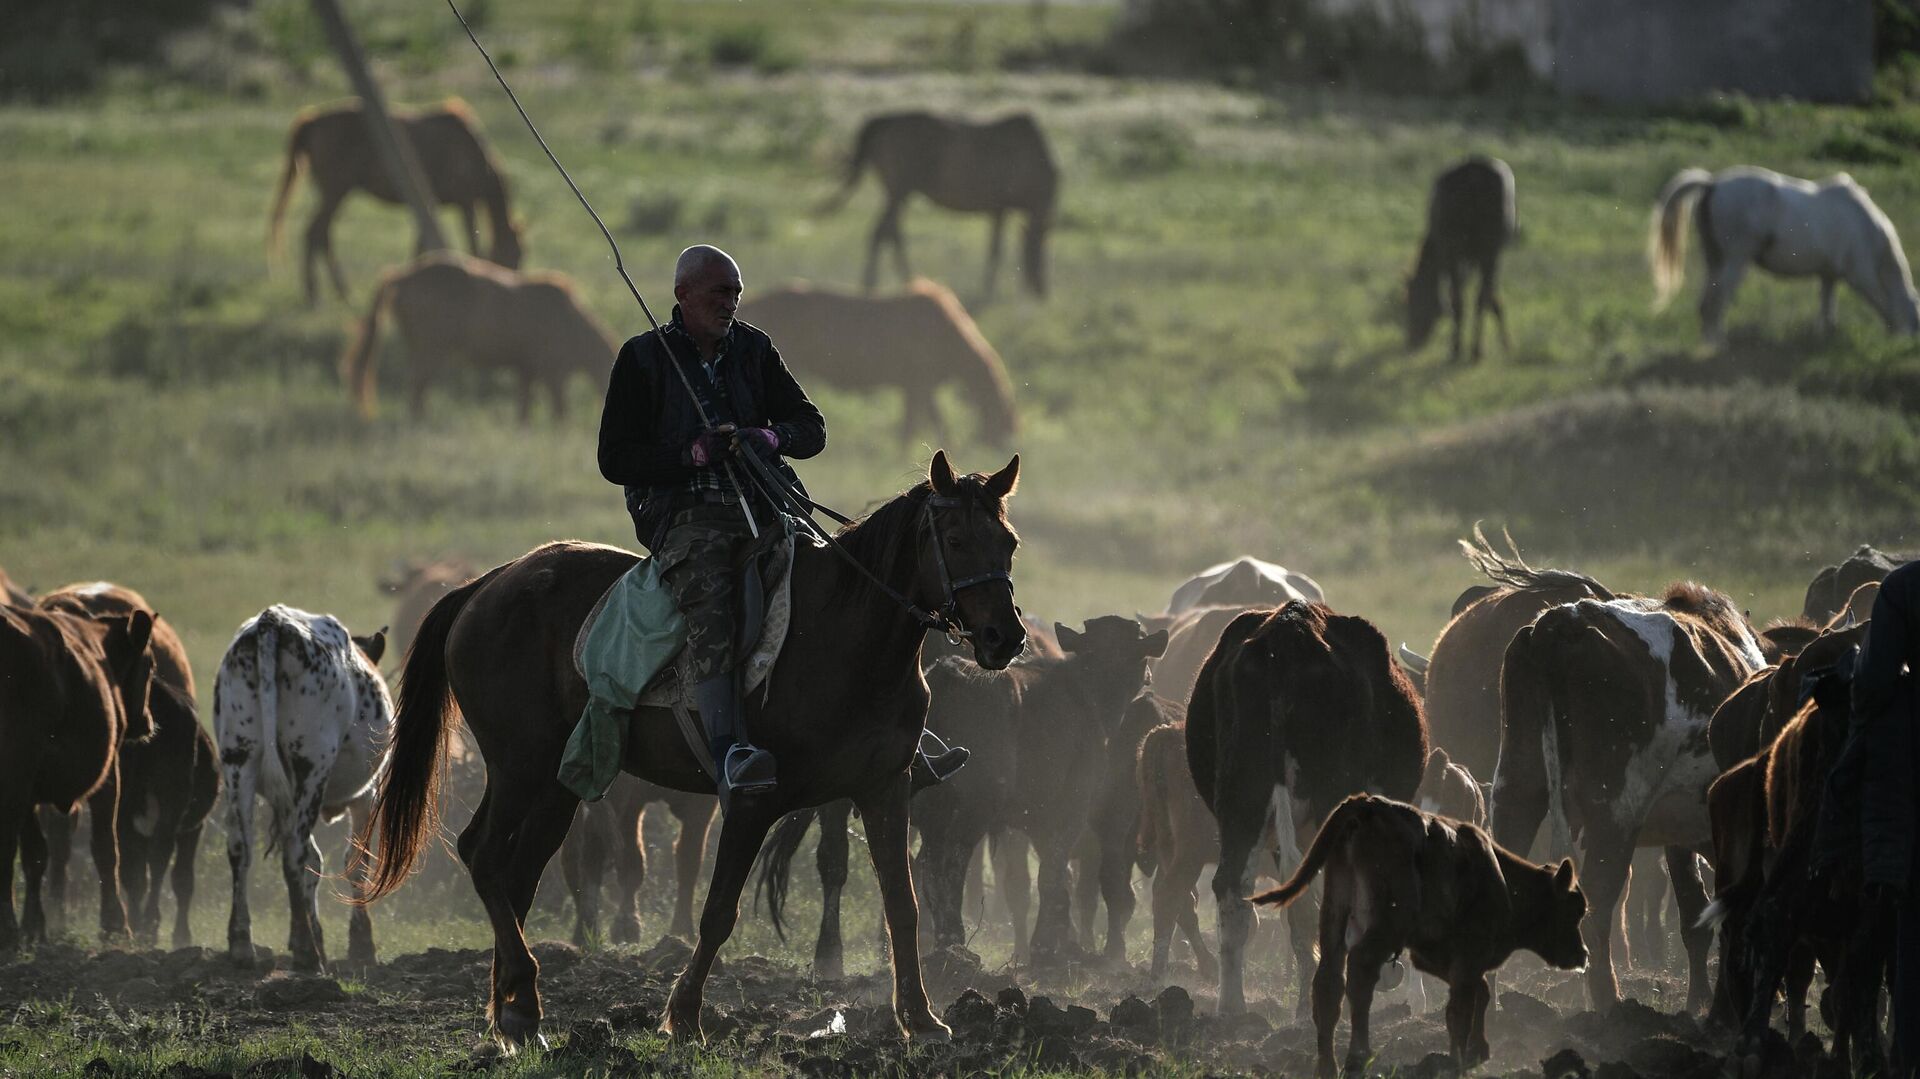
[947, 619]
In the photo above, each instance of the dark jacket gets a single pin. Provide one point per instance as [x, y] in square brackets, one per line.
[649, 420]
[1883, 722]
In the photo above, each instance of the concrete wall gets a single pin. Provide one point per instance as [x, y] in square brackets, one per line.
[1660, 50]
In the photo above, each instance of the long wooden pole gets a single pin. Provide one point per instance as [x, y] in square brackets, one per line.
[395, 152]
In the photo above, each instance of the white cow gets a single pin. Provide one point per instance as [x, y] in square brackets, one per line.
[302, 717]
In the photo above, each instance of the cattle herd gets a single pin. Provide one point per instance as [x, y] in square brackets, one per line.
[1249, 726]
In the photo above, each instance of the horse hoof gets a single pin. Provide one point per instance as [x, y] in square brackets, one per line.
[926, 1030]
[512, 1028]
[682, 1030]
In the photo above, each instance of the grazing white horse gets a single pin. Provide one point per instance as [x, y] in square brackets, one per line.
[1788, 226]
[302, 717]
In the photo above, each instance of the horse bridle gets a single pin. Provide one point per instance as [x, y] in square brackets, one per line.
[949, 613]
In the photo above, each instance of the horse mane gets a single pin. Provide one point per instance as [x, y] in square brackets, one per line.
[1512, 571]
[881, 538]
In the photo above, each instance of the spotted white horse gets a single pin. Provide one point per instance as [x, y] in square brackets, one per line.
[1786, 226]
[302, 716]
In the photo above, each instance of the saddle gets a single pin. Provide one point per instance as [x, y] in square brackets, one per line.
[631, 653]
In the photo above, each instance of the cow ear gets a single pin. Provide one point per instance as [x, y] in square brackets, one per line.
[1069, 640]
[1003, 483]
[1156, 643]
[1563, 879]
[373, 647]
[941, 474]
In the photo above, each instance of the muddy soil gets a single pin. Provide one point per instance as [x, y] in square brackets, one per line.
[770, 1016]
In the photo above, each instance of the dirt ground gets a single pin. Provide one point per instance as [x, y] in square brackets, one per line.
[768, 1016]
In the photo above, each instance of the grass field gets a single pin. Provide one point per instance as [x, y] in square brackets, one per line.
[1219, 371]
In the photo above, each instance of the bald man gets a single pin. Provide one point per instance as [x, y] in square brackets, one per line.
[685, 509]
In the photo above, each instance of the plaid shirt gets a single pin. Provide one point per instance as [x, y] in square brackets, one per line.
[711, 389]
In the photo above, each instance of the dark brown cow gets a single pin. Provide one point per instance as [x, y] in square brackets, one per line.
[1828, 595]
[73, 689]
[1032, 729]
[607, 834]
[1295, 709]
[1400, 879]
[1605, 714]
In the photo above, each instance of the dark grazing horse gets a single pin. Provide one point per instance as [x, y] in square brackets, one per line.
[992, 168]
[843, 710]
[1469, 220]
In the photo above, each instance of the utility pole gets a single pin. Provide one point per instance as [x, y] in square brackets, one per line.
[395, 152]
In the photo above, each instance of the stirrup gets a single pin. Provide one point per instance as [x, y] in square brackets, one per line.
[930, 768]
[748, 769]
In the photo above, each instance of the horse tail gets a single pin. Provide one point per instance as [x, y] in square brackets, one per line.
[1667, 237]
[977, 364]
[1340, 823]
[406, 809]
[856, 165]
[776, 865]
[356, 364]
[296, 153]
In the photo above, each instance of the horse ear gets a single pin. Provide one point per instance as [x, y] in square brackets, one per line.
[941, 474]
[1002, 483]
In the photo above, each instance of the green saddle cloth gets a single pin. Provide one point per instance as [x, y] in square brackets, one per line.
[632, 634]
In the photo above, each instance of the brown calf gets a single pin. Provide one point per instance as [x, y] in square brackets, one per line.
[1400, 879]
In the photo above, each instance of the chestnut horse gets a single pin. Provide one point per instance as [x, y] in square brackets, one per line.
[842, 710]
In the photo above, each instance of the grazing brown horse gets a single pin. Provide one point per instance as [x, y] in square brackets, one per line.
[72, 690]
[992, 168]
[333, 143]
[843, 710]
[919, 341]
[457, 311]
[168, 783]
[1469, 221]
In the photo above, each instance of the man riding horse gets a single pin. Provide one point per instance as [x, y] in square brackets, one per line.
[690, 508]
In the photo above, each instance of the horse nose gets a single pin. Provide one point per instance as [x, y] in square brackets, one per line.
[991, 637]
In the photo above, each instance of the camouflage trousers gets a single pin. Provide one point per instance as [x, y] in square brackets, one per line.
[700, 560]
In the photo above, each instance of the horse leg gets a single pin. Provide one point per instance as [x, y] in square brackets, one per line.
[741, 832]
[889, 227]
[885, 816]
[885, 227]
[136, 850]
[1481, 305]
[1457, 305]
[241, 776]
[472, 227]
[996, 226]
[582, 858]
[696, 821]
[319, 244]
[1491, 292]
[522, 830]
[33, 867]
[186, 848]
[629, 869]
[360, 950]
[1829, 316]
[1799, 979]
[1683, 869]
[1722, 282]
[830, 859]
[105, 820]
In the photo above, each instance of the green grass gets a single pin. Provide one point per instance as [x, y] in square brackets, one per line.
[1219, 371]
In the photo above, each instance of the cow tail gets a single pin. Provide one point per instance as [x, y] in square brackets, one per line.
[1520, 780]
[776, 865]
[1667, 237]
[266, 705]
[296, 153]
[406, 808]
[1340, 824]
[1203, 718]
[356, 364]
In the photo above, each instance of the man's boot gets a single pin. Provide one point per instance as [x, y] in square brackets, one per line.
[744, 768]
[938, 765]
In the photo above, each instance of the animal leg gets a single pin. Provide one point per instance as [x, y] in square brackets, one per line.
[319, 244]
[945, 846]
[471, 227]
[1329, 983]
[1603, 875]
[741, 832]
[159, 854]
[136, 850]
[512, 875]
[1016, 890]
[105, 818]
[1478, 1051]
[1799, 980]
[1116, 890]
[696, 820]
[1829, 315]
[33, 867]
[1722, 283]
[1683, 869]
[360, 951]
[1363, 972]
[1457, 305]
[14, 820]
[301, 866]
[629, 867]
[186, 849]
[58, 828]
[830, 859]
[886, 228]
[583, 860]
[890, 221]
[1232, 881]
[524, 382]
[241, 776]
[1483, 304]
[1053, 926]
[1302, 919]
[885, 815]
[997, 224]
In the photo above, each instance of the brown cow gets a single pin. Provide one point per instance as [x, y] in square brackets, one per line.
[1400, 879]
[918, 341]
[1605, 711]
[73, 689]
[334, 144]
[1178, 829]
[168, 784]
[1295, 709]
[457, 311]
